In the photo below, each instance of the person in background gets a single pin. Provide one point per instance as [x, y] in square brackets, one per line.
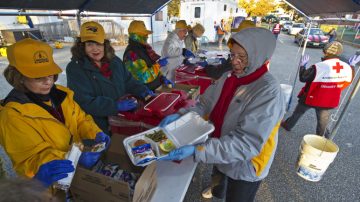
[191, 42]
[99, 78]
[141, 60]
[216, 71]
[276, 29]
[39, 120]
[246, 106]
[324, 82]
[221, 33]
[332, 35]
[174, 50]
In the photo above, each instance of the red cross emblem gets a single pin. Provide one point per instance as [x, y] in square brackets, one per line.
[338, 67]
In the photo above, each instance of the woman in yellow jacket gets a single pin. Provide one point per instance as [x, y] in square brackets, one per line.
[40, 120]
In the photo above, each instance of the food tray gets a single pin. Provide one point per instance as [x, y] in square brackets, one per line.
[162, 102]
[189, 129]
[129, 140]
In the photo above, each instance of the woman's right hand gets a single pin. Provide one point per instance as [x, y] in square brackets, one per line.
[126, 105]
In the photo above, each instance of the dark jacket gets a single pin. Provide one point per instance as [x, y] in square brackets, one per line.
[98, 95]
[215, 71]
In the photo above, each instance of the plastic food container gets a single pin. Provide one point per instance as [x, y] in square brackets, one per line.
[189, 129]
[162, 102]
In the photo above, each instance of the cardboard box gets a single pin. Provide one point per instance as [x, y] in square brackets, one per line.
[187, 88]
[91, 186]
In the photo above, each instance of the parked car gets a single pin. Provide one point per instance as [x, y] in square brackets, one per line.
[287, 25]
[296, 28]
[316, 38]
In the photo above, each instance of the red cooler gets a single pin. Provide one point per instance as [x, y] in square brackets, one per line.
[193, 75]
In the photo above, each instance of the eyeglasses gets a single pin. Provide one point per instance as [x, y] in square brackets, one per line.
[241, 57]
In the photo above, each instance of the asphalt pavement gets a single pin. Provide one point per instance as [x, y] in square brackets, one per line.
[341, 181]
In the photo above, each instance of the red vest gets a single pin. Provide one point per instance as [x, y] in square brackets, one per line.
[276, 29]
[332, 76]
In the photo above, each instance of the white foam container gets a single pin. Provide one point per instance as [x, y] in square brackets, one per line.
[189, 129]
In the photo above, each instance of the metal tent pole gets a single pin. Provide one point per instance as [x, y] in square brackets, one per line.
[351, 97]
[298, 69]
[151, 27]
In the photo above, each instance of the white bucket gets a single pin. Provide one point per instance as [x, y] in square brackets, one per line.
[316, 154]
[286, 89]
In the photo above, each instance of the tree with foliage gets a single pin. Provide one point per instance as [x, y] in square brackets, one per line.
[257, 7]
[174, 8]
[288, 9]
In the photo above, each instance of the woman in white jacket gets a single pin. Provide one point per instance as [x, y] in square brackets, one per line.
[245, 105]
[174, 50]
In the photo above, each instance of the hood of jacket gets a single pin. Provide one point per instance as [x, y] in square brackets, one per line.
[259, 44]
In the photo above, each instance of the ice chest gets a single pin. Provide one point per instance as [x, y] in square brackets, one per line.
[90, 186]
[189, 129]
[193, 75]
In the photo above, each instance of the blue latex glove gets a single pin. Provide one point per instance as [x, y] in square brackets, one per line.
[147, 92]
[304, 60]
[53, 171]
[354, 60]
[167, 81]
[188, 54]
[126, 105]
[163, 62]
[203, 63]
[222, 60]
[89, 159]
[102, 137]
[168, 119]
[180, 153]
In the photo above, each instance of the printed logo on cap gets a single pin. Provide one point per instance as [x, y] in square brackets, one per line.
[40, 57]
[92, 29]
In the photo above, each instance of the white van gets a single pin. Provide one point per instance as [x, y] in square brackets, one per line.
[296, 28]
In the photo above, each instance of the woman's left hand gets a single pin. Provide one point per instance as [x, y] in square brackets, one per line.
[180, 153]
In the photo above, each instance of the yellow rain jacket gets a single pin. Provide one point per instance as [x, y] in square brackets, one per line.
[32, 136]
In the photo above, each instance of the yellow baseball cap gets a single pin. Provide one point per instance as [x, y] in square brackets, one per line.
[32, 58]
[92, 31]
[181, 24]
[244, 24]
[138, 27]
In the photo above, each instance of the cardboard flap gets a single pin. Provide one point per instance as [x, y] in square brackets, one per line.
[146, 185]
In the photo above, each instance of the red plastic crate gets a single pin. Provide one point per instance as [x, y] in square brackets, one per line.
[193, 75]
[129, 123]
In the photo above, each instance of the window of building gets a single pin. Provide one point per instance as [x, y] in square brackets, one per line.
[197, 13]
[225, 7]
[159, 16]
[237, 10]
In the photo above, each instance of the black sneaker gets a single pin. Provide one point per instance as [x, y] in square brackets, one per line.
[285, 126]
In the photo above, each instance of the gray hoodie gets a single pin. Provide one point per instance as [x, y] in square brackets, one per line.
[249, 132]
